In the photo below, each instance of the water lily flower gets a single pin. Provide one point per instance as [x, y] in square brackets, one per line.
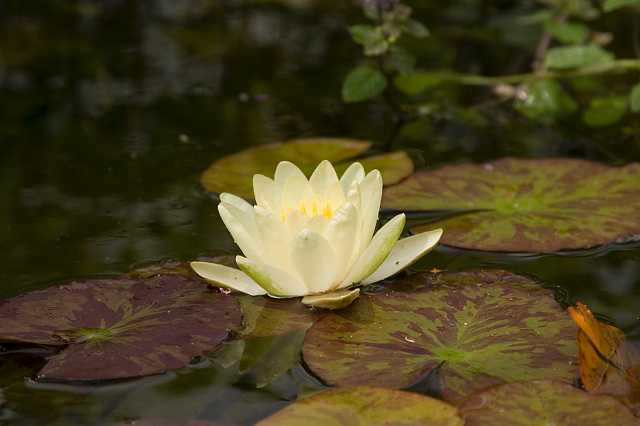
[313, 237]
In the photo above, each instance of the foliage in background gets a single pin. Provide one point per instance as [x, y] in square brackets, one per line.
[566, 73]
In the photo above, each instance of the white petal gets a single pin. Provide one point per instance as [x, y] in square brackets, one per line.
[370, 196]
[275, 281]
[404, 253]
[377, 251]
[247, 243]
[236, 201]
[284, 171]
[323, 178]
[274, 236]
[223, 276]
[342, 233]
[266, 193]
[354, 174]
[246, 218]
[335, 300]
[314, 260]
[295, 190]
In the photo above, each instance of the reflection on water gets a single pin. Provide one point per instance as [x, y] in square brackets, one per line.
[112, 108]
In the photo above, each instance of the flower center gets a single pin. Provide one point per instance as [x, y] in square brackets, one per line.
[308, 208]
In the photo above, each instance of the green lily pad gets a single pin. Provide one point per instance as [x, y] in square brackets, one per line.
[234, 173]
[366, 406]
[543, 402]
[519, 205]
[471, 330]
[120, 328]
[272, 335]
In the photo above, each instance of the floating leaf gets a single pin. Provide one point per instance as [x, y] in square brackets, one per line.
[366, 406]
[610, 5]
[518, 205]
[363, 83]
[546, 100]
[472, 330]
[609, 364]
[234, 173]
[543, 402]
[119, 328]
[605, 111]
[566, 57]
[158, 421]
[273, 333]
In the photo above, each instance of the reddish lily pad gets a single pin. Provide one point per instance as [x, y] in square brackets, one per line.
[366, 406]
[543, 402]
[119, 328]
[234, 173]
[470, 329]
[518, 205]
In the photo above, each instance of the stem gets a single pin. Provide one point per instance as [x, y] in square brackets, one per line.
[543, 45]
[619, 66]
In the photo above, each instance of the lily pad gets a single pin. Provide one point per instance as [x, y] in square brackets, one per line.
[543, 402]
[366, 406]
[470, 329]
[272, 336]
[234, 173]
[120, 328]
[520, 205]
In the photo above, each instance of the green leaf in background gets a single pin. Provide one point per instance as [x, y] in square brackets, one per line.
[401, 60]
[416, 28]
[635, 98]
[363, 83]
[366, 406]
[546, 100]
[610, 5]
[417, 82]
[525, 205]
[566, 57]
[234, 173]
[470, 330]
[372, 38]
[543, 402]
[605, 111]
[567, 32]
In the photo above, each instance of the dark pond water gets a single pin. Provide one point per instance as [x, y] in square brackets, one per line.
[110, 111]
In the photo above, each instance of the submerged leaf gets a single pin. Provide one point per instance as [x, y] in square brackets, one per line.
[119, 328]
[366, 406]
[605, 111]
[522, 205]
[234, 173]
[542, 402]
[472, 330]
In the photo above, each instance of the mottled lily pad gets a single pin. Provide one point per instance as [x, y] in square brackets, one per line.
[366, 406]
[471, 330]
[543, 402]
[518, 205]
[234, 173]
[119, 328]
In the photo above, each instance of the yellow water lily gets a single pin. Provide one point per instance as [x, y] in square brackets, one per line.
[313, 237]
